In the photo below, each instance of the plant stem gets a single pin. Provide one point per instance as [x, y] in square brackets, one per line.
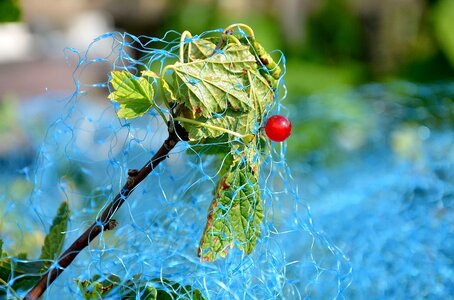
[105, 222]
[241, 26]
[13, 292]
[183, 38]
[201, 124]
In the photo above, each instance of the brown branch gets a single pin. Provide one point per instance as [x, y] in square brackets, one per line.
[105, 222]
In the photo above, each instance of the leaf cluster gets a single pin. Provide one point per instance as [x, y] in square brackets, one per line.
[220, 90]
[136, 288]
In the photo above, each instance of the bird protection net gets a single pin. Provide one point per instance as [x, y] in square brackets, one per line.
[220, 218]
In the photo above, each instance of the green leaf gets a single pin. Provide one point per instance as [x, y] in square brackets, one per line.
[248, 123]
[219, 146]
[169, 290]
[26, 274]
[235, 214]
[136, 288]
[201, 49]
[216, 83]
[135, 94]
[231, 121]
[53, 243]
[261, 95]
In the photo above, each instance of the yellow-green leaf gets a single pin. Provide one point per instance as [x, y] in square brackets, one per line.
[150, 73]
[134, 94]
[213, 127]
[260, 94]
[201, 49]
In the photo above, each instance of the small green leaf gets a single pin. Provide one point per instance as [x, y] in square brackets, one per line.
[96, 288]
[149, 293]
[91, 290]
[169, 290]
[235, 214]
[53, 243]
[135, 94]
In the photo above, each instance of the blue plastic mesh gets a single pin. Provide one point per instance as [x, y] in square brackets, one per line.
[380, 188]
[85, 157]
[387, 203]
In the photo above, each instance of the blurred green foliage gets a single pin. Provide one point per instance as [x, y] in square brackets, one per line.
[7, 116]
[333, 43]
[9, 11]
[332, 127]
[331, 46]
[18, 272]
[334, 34]
[443, 16]
[14, 192]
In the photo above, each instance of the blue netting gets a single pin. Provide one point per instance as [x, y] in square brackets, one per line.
[387, 202]
[380, 187]
[85, 157]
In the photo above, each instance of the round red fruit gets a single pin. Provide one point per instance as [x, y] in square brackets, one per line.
[278, 128]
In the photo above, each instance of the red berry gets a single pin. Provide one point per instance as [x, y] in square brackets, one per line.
[278, 128]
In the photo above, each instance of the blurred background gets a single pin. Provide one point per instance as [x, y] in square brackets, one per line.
[370, 93]
[330, 45]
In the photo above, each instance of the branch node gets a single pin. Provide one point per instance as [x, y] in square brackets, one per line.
[111, 225]
[133, 172]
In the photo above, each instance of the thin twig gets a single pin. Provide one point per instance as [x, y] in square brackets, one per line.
[12, 291]
[105, 222]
